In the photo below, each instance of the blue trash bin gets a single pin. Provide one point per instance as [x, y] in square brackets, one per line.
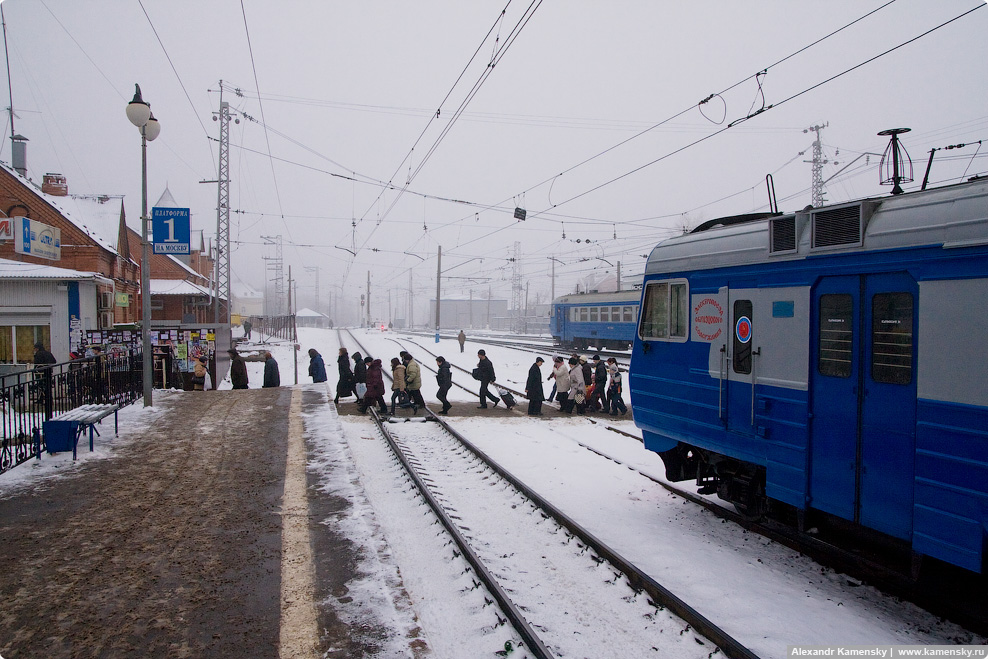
[60, 435]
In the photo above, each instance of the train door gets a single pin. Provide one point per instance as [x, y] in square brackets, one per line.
[863, 421]
[740, 366]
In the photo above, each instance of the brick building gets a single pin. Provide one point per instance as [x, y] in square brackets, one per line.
[93, 239]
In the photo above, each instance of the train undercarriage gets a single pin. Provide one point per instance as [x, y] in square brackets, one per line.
[739, 483]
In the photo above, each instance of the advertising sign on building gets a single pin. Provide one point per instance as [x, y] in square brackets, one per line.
[6, 228]
[36, 239]
[171, 230]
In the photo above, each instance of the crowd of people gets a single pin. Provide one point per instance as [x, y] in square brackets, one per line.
[578, 386]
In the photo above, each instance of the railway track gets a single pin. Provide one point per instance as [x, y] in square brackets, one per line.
[887, 571]
[563, 590]
[544, 347]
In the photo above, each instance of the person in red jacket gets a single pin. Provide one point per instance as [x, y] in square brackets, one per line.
[375, 387]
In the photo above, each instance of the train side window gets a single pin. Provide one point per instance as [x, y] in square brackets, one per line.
[742, 336]
[836, 335]
[892, 338]
[629, 314]
[584, 314]
[605, 316]
[593, 314]
[665, 311]
[615, 314]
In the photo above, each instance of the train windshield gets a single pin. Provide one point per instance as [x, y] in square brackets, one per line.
[665, 312]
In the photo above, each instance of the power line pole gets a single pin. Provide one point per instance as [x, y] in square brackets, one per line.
[439, 276]
[315, 269]
[516, 288]
[221, 310]
[277, 265]
[818, 162]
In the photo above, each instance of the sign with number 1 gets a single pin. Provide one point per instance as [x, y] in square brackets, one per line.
[171, 230]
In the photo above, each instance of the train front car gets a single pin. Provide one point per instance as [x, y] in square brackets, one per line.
[829, 361]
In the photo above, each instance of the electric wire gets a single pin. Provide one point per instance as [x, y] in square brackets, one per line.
[770, 107]
[172, 64]
[267, 140]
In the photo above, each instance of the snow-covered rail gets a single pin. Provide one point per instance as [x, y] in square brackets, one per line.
[563, 590]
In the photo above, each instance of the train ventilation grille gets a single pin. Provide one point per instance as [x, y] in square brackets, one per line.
[839, 226]
[783, 232]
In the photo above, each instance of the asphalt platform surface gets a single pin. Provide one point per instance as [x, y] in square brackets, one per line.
[173, 546]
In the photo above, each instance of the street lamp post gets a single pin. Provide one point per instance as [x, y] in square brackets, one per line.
[139, 114]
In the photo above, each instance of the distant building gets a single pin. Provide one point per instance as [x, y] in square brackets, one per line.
[459, 313]
[309, 318]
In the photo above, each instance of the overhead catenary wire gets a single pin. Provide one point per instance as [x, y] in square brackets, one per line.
[766, 109]
[499, 54]
[543, 214]
[260, 105]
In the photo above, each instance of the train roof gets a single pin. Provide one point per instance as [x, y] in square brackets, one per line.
[633, 295]
[952, 216]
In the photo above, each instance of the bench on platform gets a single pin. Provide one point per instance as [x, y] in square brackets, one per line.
[63, 430]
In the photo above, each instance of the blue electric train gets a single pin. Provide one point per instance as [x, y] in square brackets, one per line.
[606, 321]
[831, 363]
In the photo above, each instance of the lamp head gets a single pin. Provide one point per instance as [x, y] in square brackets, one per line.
[138, 111]
[152, 128]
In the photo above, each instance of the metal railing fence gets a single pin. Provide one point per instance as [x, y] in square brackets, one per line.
[32, 396]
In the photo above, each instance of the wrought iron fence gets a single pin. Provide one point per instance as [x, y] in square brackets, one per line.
[30, 397]
[281, 327]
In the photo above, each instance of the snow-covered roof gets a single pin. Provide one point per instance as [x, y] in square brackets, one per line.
[38, 272]
[177, 287]
[166, 200]
[309, 313]
[96, 215]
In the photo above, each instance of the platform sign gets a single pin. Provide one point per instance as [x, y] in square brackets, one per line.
[36, 239]
[171, 231]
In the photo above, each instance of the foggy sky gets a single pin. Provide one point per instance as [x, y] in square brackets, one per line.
[348, 89]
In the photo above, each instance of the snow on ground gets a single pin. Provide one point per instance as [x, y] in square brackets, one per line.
[767, 595]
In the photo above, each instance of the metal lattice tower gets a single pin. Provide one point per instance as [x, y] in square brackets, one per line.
[221, 308]
[276, 264]
[315, 269]
[818, 162]
[517, 289]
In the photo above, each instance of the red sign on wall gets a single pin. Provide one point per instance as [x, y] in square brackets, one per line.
[6, 228]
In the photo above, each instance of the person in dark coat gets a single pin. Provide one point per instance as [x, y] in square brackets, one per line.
[344, 387]
[462, 338]
[43, 358]
[533, 388]
[247, 328]
[375, 387]
[598, 399]
[272, 377]
[444, 378]
[485, 373]
[238, 370]
[359, 376]
[317, 369]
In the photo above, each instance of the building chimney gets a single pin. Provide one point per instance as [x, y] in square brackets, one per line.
[55, 185]
[19, 154]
